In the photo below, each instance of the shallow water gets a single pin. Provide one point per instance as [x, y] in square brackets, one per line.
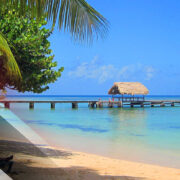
[147, 134]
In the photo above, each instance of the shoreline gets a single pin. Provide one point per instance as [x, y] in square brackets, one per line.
[41, 161]
[156, 158]
[159, 157]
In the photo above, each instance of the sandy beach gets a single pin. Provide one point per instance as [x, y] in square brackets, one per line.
[32, 162]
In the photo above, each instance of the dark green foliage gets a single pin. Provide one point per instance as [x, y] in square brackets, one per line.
[27, 39]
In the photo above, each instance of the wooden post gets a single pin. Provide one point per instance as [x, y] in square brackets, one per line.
[142, 105]
[120, 104]
[92, 105]
[110, 105]
[99, 104]
[89, 104]
[52, 105]
[132, 105]
[7, 105]
[152, 105]
[31, 105]
[172, 104]
[74, 105]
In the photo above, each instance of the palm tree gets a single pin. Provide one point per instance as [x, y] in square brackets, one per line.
[74, 16]
[8, 66]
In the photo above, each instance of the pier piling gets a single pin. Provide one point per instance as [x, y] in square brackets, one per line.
[31, 105]
[7, 105]
[74, 105]
[52, 105]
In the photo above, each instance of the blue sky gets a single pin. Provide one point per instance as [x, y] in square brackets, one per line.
[143, 44]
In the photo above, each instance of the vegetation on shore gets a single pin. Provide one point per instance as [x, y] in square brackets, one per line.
[28, 40]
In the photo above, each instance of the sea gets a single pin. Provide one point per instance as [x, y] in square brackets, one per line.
[148, 135]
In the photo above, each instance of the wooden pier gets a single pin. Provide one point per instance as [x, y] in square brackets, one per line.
[100, 104]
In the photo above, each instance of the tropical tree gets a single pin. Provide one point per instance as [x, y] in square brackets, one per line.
[28, 40]
[74, 16]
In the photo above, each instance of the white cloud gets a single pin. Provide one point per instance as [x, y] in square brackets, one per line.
[103, 73]
[149, 70]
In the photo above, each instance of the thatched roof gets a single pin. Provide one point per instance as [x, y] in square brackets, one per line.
[130, 88]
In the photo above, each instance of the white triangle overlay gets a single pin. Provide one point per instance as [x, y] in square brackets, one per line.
[25, 130]
[4, 176]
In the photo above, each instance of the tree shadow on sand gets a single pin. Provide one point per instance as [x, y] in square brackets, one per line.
[7, 147]
[24, 171]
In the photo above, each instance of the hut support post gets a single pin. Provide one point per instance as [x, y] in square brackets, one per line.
[92, 104]
[31, 105]
[7, 105]
[142, 104]
[110, 105]
[99, 104]
[120, 104]
[132, 105]
[172, 104]
[52, 105]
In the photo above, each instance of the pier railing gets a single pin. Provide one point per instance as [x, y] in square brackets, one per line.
[128, 99]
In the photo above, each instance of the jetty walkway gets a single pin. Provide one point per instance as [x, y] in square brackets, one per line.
[99, 103]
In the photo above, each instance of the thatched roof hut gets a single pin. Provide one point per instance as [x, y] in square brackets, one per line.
[129, 88]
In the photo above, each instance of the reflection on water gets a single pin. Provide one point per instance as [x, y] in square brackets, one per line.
[128, 125]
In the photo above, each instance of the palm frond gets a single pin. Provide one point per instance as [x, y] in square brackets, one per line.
[74, 16]
[10, 64]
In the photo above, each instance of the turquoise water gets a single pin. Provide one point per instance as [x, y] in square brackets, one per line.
[147, 134]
